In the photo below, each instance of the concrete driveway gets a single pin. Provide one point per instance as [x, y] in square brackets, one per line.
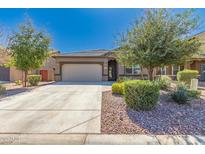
[61, 107]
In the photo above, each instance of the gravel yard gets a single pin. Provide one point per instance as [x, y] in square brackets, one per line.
[167, 118]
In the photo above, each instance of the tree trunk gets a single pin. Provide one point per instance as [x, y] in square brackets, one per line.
[150, 73]
[25, 80]
[141, 73]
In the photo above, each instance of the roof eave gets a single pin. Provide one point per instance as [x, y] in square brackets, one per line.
[61, 56]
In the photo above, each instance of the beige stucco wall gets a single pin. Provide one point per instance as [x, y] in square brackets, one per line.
[16, 74]
[121, 69]
[50, 63]
[51, 75]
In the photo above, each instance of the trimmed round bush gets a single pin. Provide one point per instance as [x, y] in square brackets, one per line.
[187, 75]
[118, 88]
[34, 79]
[141, 94]
[164, 82]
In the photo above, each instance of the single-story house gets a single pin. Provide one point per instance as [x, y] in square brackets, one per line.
[93, 65]
[101, 65]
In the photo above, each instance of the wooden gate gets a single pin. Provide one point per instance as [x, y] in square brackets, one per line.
[44, 75]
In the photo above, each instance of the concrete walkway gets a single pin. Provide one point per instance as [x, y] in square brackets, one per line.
[56, 108]
[100, 139]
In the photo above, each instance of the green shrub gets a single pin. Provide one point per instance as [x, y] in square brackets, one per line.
[187, 75]
[118, 88]
[18, 82]
[34, 79]
[122, 79]
[2, 90]
[194, 93]
[164, 82]
[180, 96]
[141, 94]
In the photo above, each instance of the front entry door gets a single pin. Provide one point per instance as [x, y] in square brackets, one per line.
[112, 70]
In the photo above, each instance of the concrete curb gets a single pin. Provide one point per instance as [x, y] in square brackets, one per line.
[101, 139]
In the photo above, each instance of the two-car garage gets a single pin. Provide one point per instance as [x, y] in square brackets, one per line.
[81, 72]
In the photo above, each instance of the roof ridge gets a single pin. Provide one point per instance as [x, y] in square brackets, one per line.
[198, 33]
[86, 51]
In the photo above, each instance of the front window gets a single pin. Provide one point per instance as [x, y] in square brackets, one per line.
[128, 70]
[134, 70]
[163, 70]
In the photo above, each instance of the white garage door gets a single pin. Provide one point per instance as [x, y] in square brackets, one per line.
[82, 72]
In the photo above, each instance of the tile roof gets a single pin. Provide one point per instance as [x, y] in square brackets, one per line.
[88, 53]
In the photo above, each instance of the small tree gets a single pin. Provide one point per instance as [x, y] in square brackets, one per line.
[161, 37]
[28, 48]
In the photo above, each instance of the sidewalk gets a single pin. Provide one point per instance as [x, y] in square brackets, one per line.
[81, 139]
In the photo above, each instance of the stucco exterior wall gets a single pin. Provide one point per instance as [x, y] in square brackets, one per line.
[121, 69]
[16, 74]
[196, 64]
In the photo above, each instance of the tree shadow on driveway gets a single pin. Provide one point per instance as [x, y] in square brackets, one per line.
[16, 91]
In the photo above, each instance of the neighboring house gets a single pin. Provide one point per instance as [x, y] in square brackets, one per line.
[94, 65]
[13, 74]
[197, 62]
[8, 74]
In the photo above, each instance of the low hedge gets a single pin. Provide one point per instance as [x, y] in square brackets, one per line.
[187, 75]
[141, 94]
[118, 88]
[34, 79]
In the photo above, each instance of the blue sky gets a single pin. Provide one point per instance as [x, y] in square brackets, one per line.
[77, 29]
